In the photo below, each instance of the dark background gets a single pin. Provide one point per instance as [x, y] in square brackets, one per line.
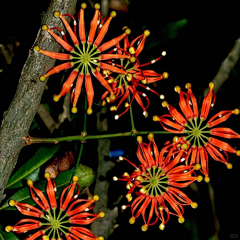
[197, 39]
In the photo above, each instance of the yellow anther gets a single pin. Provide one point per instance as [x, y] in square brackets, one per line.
[56, 14]
[104, 103]
[129, 197]
[177, 89]
[115, 178]
[126, 104]
[175, 139]
[132, 59]
[143, 190]
[145, 114]
[229, 165]
[125, 174]
[238, 153]
[120, 158]
[97, 6]
[47, 175]
[83, 5]
[131, 50]
[165, 75]
[12, 203]
[188, 85]
[44, 27]
[211, 85]
[42, 78]
[155, 118]
[123, 207]
[144, 227]
[162, 226]
[132, 220]
[139, 178]
[112, 96]
[207, 179]
[127, 31]
[108, 99]
[98, 69]
[235, 111]
[165, 104]
[56, 98]
[75, 178]
[113, 108]
[139, 139]
[184, 146]
[113, 14]
[161, 208]
[101, 214]
[95, 198]
[8, 228]
[150, 136]
[181, 219]
[45, 237]
[164, 53]
[100, 238]
[197, 166]
[125, 27]
[29, 182]
[74, 110]
[194, 205]
[128, 186]
[146, 33]
[110, 81]
[129, 77]
[37, 48]
[116, 117]
[199, 178]
[89, 111]
[144, 81]
[105, 72]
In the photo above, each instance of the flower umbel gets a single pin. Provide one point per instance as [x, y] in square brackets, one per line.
[195, 133]
[126, 86]
[84, 56]
[156, 181]
[56, 223]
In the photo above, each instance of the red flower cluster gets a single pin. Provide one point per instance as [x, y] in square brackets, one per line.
[86, 55]
[156, 181]
[56, 223]
[128, 83]
[200, 145]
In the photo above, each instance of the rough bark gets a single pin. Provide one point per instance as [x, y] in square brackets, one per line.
[18, 118]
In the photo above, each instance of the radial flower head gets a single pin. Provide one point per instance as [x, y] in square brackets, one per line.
[53, 221]
[197, 136]
[85, 55]
[155, 182]
[126, 86]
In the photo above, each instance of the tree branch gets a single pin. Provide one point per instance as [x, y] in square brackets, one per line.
[226, 67]
[19, 116]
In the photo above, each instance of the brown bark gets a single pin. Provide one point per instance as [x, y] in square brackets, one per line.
[19, 116]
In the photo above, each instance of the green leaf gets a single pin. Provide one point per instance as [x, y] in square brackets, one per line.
[6, 236]
[85, 174]
[41, 156]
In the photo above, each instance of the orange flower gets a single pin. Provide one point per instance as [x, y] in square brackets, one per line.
[199, 145]
[85, 57]
[156, 181]
[56, 223]
[124, 85]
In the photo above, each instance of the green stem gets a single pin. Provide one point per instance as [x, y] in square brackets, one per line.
[82, 138]
[131, 114]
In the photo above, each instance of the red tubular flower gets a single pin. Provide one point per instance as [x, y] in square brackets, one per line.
[74, 215]
[157, 178]
[199, 145]
[131, 76]
[83, 58]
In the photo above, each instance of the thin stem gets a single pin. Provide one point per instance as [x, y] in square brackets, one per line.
[84, 134]
[32, 140]
[131, 114]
